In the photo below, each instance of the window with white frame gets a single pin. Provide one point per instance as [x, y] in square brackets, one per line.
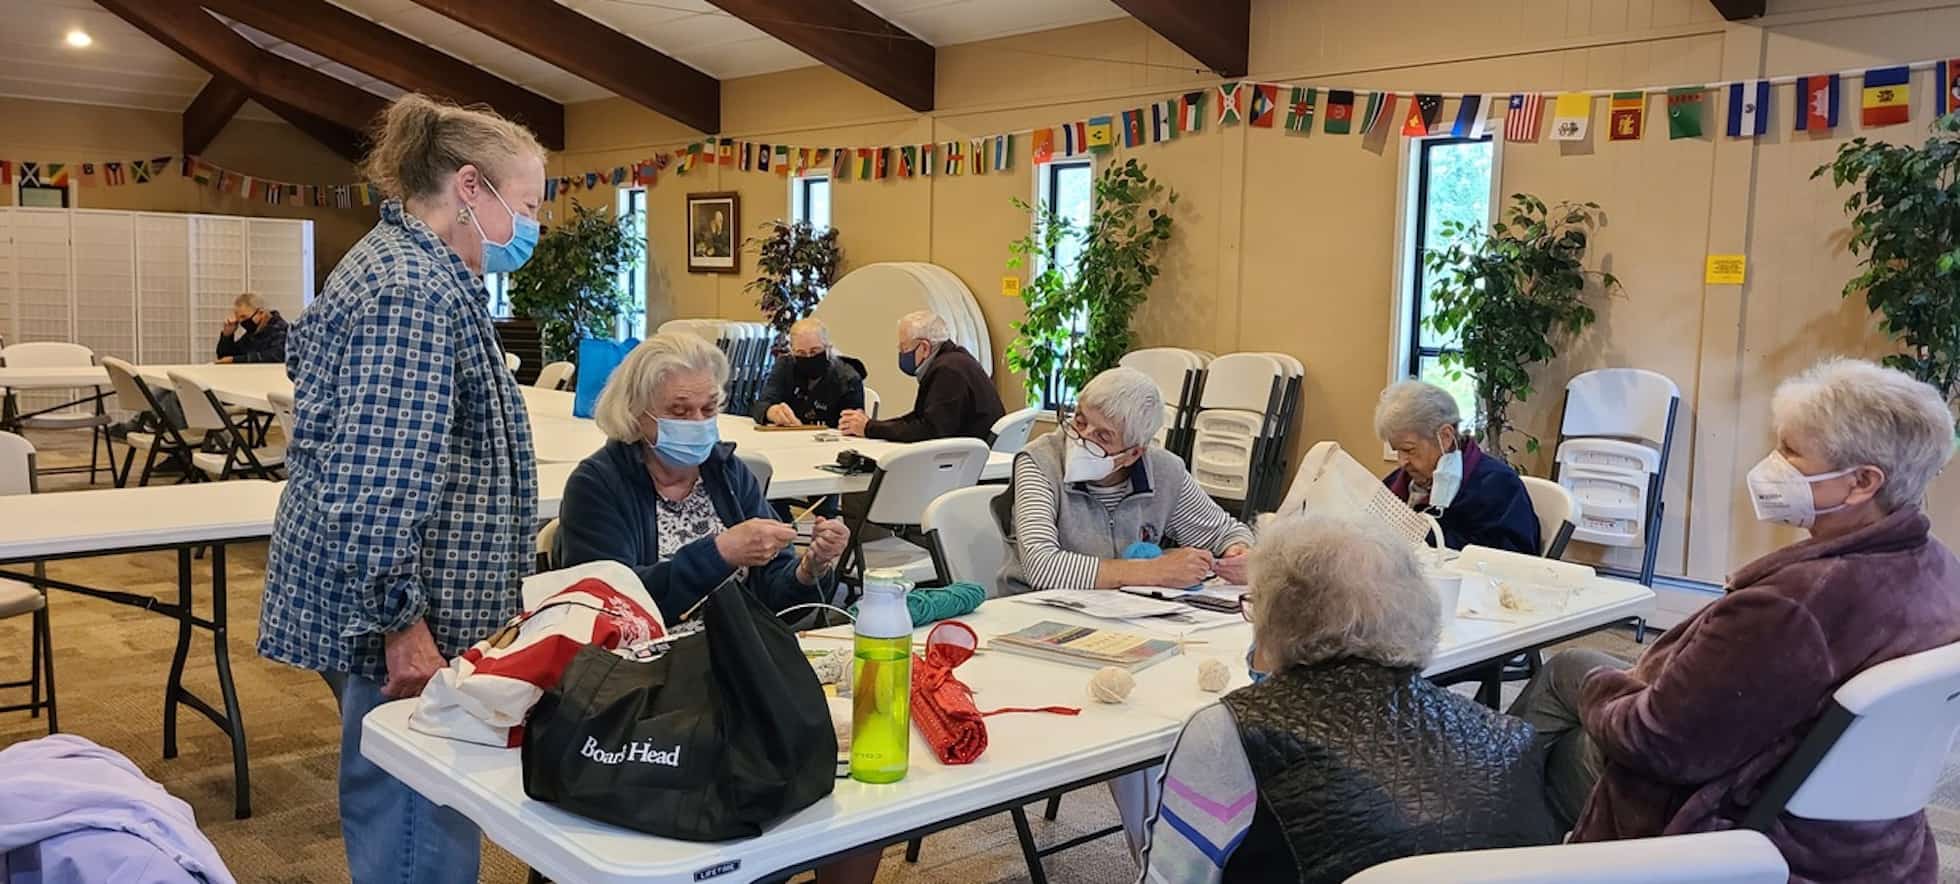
[498, 285]
[1446, 179]
[809, 200]
[633, 324]
[1066, 189]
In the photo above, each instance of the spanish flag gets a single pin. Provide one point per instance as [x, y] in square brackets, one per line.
[1888, 98]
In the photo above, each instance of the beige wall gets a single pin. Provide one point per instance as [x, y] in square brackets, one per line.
[47, 131]
[1287, 243]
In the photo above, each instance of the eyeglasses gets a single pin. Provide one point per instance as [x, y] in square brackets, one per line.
[1245, 607]
[1075, 427]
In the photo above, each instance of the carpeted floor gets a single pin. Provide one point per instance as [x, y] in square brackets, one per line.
[112, 661]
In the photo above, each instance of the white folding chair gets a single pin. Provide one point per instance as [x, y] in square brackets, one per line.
[871, 402]
[758, 463]
[554, 376]
[512, 361]
[90, 415]
[1177, 373]
[547, 547]
[1878, 750]
[1614, 438]
[1232, 427]
[906, 481]
[134, 395]
[1737, 856]
[1010, 434]
[21, 599]
[967, 545]
[282, 412]
[203, 411]
[1557, 511]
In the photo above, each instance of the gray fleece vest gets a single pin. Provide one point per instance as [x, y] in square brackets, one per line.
[1156, 483]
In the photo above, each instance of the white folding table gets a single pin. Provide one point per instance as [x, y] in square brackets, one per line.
[1029, 757]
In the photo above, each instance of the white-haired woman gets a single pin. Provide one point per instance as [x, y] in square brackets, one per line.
[669, 499]
[1683, 740]
[1345, 756]
[1096, 506]
[1477, 498]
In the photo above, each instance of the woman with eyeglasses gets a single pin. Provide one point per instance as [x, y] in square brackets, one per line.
[1096, 506]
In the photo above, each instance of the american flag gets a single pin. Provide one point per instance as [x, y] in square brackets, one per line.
[1522, 117]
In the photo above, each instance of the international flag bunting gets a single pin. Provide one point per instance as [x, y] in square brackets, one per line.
[1191, 111]
[56, 174]
[1524, 115]
[1423, 115]
[726, 151]
[1299, 110]
[1340, 112]
[1469, 118]
[1684, 105]
[1887, 96]
[977, 149]
[1044, 146]
[928, 157]
[592, 178]
[1571, 116]
[1133, 127]
[618, 176]
[366, 192]
[955, 158]
[765, 157]
[1163, 121]
[1075, 140]
[1626, 117]
[782, 161]
[1817, 103]
[112, 175]
[747, 161]
[6, 172]
[550, 189]
[1265, 106]
[882, 158]
[907, 156]
[88, 175]
[1229, 109]
[141, 169]
[1379, 114]
[1748, 109]
[30, 174]
[1946, 82]
[343, 197]
[1102, 133]
[865, 164]
[840, 164]
[1003, 152]
[274, 194]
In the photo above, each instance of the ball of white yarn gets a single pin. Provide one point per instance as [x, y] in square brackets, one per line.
[1111, 685]
[1213, 675]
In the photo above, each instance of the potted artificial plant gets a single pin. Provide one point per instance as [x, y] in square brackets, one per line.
[1905, 230]
[1078, 317]
[1509, 297]
[798, 264]
[570, 287]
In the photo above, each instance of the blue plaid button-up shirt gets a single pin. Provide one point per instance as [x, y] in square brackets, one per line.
[413, 490]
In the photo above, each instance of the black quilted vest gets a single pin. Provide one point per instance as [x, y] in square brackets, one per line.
[1358, 764]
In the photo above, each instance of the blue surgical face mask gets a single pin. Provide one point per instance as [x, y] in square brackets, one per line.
[511, 254]
[1254, 672]
[686, 443]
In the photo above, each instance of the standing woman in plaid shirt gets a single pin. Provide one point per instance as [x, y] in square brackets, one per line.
[409, 517]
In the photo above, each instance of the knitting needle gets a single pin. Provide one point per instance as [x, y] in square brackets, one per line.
[796, 516]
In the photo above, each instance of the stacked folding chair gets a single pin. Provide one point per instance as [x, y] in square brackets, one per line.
[1237, 424]
[1180, 377]
[1613, 444]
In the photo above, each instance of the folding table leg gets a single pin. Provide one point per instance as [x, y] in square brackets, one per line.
[912, 849]
[1029, 852]
[234, 726]
[174, 686]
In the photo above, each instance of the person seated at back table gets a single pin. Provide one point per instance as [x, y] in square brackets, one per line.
[1343, 757]
[812, 385]
[1476, 497]
[668, 499]
[253, 334]
[956, 398]
[1081, 496]
[1687, 738]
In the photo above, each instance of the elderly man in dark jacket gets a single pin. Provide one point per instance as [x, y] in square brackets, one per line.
[812, 385]
[253, 334]
[956, 397]
[1476, 498]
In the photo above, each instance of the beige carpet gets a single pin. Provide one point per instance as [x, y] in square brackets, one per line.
[111, 662]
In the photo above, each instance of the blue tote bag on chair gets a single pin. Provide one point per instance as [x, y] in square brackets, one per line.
[596, 360]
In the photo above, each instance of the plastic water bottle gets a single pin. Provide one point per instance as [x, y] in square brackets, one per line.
[881, 681]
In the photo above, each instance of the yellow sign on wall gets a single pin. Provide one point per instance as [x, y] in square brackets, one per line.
[1010, 286]
[1726, 269]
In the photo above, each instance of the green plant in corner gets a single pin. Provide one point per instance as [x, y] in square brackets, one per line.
[571, 284]
[1078, 318]
[1508, 297]
[1905, 230]
[798, 264]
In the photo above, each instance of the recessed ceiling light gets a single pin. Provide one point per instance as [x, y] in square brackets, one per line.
[79, 39]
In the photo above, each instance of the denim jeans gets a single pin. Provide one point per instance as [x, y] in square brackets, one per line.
[1550, 704]
[392, 833]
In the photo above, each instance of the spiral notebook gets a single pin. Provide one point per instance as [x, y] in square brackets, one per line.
[1086, 646]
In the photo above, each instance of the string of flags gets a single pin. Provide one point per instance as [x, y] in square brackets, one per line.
[119, 173]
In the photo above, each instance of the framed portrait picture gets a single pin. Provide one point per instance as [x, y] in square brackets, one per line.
[712, 222]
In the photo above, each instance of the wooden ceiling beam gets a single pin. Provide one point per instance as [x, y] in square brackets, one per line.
[349, 144]
[585, 48]
[275, 82]
[208, 113]
[851, 39]
[388, 56]
[1218, 33]
[1737, 10]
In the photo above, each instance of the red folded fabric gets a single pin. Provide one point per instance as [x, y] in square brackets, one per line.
[942, 705]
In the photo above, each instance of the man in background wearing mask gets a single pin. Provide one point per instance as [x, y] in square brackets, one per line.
[956, 397]
[253, 334]
[812, 385]
[1095, 506]
[1476, 497]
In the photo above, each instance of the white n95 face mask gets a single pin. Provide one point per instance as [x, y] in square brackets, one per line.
[1782, 493]
[1084, 464]
[1447, 480]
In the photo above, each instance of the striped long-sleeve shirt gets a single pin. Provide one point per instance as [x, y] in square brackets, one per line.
[1196, 521]
[1209, 797]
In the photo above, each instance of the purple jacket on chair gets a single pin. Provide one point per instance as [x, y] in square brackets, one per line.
[1694, 730]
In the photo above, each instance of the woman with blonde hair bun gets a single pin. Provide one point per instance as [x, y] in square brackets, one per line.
[407, 522]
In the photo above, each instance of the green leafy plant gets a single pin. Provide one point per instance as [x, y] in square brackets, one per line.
[798, 264]
[1508, 297]
[1905, 229]
[1078, 317]
[571, 284]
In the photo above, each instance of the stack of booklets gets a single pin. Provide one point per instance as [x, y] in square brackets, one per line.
[1087, 646]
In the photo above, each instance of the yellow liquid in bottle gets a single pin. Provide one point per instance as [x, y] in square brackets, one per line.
[881, 708]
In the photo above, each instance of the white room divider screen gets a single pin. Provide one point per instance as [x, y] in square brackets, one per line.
[150, 287]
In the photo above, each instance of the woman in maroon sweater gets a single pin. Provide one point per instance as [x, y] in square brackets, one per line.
[1687, 737]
